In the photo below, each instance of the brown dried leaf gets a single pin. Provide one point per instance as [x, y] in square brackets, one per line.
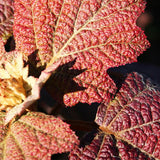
[35, 93]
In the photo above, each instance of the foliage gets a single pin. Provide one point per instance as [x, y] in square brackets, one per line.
[98, 34]
[35, 136]
[67, 46]
[129, 123]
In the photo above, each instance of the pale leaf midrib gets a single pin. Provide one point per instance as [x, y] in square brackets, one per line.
[59, 55]
[57, 26]
[137, 126]
[78, 31]
[143, 151]
[124, 107]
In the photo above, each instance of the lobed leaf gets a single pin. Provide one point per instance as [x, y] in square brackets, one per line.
[99, 148]
[6, 19]
[98, 34]
[35, 136]
[105, 147]
[130, 124]
[133, 116]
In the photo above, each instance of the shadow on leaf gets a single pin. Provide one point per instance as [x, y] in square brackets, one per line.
[61, 82]
[10, 44]
[34, 63]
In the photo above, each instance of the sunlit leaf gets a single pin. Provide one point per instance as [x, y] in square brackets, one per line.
[35, 136]
[98, 34]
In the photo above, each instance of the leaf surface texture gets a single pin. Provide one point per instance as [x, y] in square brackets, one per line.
[98, 34]
[130, 124]
[107, 147]
[6, 19]
[35, 136]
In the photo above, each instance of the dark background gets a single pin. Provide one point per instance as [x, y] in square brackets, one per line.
[152, 30]
[149, 62]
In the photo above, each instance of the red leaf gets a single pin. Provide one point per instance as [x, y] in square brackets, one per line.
[6, 19]
[99, 34]
[134, 116]
[107, 147]
[100, 148]
[35, 136]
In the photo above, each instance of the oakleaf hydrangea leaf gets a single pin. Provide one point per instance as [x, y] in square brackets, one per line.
[35, 136]
[133, 117]
[130, 124]
[107, 147]
[6, 19]
[98, 34]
